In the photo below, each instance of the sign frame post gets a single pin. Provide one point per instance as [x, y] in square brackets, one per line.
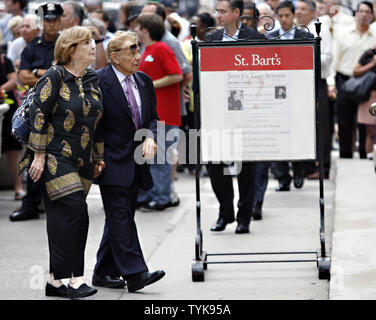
[200, 262]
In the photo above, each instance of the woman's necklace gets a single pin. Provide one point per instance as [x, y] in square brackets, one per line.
[77, 75]
[78, 81]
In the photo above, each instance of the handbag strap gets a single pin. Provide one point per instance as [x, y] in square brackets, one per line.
[62, 73]
[3, 64]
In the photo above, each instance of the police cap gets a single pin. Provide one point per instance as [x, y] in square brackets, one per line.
[50, 10]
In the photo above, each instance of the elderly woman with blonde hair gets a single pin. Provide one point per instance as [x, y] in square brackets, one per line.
[14, 25]
[65, 151]
[267, 21]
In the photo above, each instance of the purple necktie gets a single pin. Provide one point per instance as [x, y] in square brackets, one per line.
[132, 104]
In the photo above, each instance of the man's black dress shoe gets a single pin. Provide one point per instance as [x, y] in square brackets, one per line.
[283, 187]
[149, 207]
[140, 204]
[298, 181]
[142, 279]
[220, 225]
[316, 175]
[242, 228]
[21, 215]
[107, 282]
[257, 211]
[52, 291]
[41, 208]
[82, 291]
[170, 204]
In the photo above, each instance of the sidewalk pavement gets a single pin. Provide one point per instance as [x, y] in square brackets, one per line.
[353, 270]
[290, 223]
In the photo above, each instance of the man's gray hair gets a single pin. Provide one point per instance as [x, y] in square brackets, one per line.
[92, 2]
[117, 41]
[264, 5]
[35, 21]
[311, 3]
[77, 10]
[96, 23]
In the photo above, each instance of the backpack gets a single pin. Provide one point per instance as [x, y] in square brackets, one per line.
[20, 119]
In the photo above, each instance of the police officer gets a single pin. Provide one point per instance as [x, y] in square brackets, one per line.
[36, 58]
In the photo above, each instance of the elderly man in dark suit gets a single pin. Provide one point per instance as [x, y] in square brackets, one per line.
[285, 12]
[229, 12]
[129, 104]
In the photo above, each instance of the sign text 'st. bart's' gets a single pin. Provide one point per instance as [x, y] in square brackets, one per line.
[256, 60]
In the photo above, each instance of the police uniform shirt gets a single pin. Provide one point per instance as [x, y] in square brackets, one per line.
[38, 54]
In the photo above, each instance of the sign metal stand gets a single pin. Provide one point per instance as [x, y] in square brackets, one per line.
[200, 262]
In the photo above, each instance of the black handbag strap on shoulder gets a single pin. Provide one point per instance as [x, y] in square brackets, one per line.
[2, 59]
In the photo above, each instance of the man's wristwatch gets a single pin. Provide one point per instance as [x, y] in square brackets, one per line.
[35, 71]
[98, 41]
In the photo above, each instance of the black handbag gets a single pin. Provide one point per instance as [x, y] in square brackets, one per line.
[359, 88]
[20, 119]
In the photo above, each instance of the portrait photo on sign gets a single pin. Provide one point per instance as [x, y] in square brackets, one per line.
[280, 92]
[235, 99]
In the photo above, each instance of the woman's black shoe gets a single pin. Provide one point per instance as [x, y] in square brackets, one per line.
[22, 215]
[52, 291]
[82, 291]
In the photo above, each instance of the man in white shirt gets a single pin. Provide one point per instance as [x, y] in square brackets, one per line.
[348, 46]
[336, 17]
[305, 14]
[30, 29]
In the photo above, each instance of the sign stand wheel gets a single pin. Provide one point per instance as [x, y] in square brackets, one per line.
[323, 265]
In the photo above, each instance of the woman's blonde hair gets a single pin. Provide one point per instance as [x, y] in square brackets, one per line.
[117, 41]
[67, 42]
[14, 22]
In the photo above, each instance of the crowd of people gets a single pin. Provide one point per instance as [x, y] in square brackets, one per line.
[100, 78]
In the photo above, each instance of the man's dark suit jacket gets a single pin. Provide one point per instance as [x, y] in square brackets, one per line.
[245, 33]
[299, 34]
[119, 130]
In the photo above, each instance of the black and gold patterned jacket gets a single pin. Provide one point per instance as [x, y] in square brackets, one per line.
[65, 125]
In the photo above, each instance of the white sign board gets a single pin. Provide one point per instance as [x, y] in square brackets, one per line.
[257, 102]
